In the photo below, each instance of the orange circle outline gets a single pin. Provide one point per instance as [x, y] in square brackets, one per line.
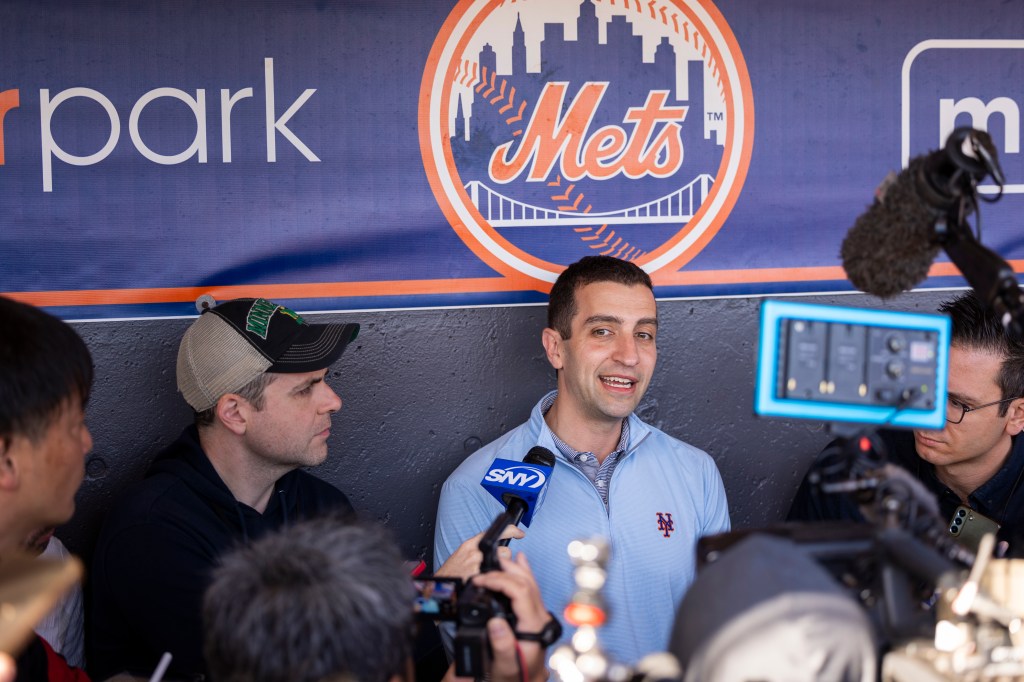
[449, 210]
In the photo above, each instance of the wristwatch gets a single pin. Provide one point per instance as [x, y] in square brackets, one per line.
[548, 635]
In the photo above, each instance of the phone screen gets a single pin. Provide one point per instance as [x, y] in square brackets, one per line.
[437, 598]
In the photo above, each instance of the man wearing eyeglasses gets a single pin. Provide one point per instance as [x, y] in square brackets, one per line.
[977, 460]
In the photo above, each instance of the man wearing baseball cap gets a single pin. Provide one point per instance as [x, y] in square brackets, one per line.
[254, 373]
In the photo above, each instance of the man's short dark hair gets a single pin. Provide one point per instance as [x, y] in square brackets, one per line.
[44, 365]
[978, 327]
[319, 600]
[588, 270]
[252, 392]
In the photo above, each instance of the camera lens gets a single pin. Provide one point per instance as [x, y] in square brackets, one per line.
[961, 513]
[957, 521]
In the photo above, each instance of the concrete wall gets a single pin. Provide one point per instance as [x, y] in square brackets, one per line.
[423, 389]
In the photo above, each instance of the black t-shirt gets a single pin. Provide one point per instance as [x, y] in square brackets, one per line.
[158, 547]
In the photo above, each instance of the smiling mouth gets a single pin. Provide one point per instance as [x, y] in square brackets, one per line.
[618, 382]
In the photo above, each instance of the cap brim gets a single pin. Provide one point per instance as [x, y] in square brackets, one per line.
[315, 347]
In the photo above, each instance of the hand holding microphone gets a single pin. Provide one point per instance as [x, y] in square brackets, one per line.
[465, 561]
[520, 486]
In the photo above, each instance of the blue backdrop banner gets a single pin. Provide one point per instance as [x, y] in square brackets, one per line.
[394, 154]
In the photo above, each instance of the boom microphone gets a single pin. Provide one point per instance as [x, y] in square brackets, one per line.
[891, 246]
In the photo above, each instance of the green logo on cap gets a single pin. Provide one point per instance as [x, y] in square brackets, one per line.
[258, 319]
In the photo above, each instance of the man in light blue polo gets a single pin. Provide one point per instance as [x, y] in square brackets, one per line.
[650, 494]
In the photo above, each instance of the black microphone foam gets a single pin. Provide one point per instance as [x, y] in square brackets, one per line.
[539, 455]
[891, 245]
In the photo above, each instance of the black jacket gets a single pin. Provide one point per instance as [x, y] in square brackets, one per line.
[156, 551]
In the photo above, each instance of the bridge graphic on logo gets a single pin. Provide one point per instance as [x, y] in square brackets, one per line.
[676, 207]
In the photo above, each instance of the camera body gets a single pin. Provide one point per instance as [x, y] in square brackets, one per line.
[518, 487]
[469, 607]
[472, 648]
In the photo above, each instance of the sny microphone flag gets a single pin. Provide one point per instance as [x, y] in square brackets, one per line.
[507, 478]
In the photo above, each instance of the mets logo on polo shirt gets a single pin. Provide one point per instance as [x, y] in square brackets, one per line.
[665, 524]
[555, 129]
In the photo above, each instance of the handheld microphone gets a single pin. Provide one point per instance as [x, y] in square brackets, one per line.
[520, 486]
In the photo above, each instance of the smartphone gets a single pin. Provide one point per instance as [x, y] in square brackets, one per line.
[968, 526]
[437, 598]
[29, 589]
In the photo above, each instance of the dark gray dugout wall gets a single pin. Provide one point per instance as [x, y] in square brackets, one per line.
[423, 389]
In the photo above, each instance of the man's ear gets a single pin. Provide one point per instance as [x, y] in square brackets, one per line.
[553, 343]
[1016, 413]
[10, 469]
[233, 412]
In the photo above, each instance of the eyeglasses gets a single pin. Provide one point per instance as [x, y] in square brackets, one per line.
[955, 410]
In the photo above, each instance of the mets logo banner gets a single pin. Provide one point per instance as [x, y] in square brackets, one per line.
[397, 154]
[617, 130]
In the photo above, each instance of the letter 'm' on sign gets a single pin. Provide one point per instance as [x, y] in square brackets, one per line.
[549, 137]
[979, 113]
[51, 148]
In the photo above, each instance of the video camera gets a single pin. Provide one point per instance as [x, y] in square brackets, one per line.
[469, 607]
[937, 600]
[519, 486]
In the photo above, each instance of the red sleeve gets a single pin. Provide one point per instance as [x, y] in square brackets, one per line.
[58, 670]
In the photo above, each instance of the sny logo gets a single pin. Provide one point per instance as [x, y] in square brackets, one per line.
[521, 476]
[665, 524]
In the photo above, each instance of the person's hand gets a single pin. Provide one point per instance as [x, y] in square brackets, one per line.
[507, 666]
[465, 561]
[515, 580]
[7, 670]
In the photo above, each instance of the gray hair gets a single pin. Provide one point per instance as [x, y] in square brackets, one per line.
[319, 600]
